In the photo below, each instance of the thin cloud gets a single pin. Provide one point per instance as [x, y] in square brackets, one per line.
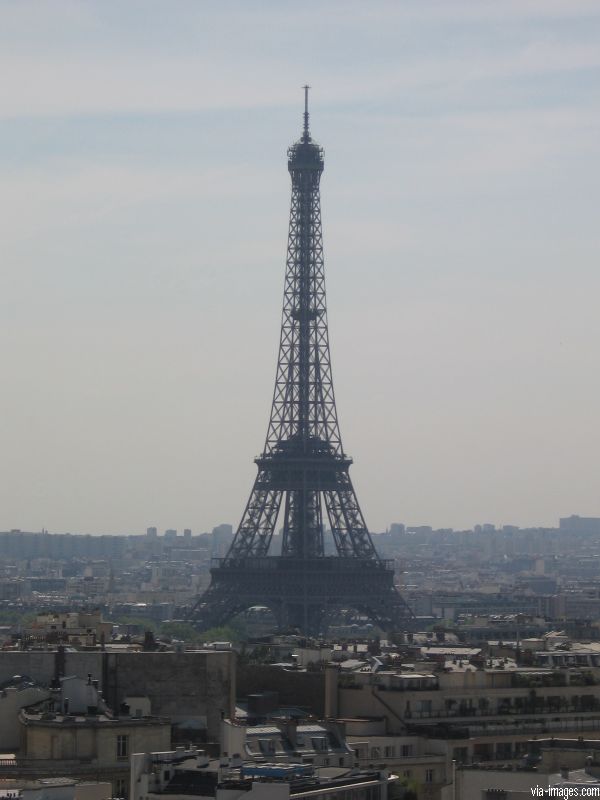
[101, 73]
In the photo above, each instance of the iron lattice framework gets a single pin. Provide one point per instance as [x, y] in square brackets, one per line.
[303, 465]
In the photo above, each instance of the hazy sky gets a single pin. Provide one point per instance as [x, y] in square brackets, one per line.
[144, 201]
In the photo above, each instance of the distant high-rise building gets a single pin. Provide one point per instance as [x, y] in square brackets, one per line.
[420, 529]
[222, 537]
[577, 524]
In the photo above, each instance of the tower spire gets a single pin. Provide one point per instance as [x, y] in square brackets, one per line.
[305, 132]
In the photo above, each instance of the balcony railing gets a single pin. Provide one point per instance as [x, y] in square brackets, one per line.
[527, 709]
[13, 767]
[446, 730]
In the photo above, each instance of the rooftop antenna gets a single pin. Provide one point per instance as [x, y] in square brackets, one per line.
[305, 134]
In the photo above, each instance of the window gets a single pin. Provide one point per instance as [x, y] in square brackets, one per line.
[460, 755]
[407, 750]
[122, 747]
[406, 773]
[390, 751]
[428, 776]
[120, 787]
[504, 751]
[267, 746]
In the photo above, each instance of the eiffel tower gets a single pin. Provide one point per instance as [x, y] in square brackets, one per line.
[303, 469]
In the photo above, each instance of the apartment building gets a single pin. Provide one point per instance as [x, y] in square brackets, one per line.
[312, 742]
[424, 719]
[187, 773]
[416, 761]
[72, 734]
[91, 747]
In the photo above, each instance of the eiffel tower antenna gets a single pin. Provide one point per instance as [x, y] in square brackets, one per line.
[303, 471]
[305, 133]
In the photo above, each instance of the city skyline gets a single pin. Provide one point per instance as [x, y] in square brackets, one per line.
[409, 527]
[144, 221]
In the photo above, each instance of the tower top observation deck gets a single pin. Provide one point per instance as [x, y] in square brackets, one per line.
[305, 154]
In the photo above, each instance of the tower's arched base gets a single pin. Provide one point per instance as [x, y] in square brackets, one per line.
[302, 592]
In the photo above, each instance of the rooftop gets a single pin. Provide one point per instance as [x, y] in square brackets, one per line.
[48, 718]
